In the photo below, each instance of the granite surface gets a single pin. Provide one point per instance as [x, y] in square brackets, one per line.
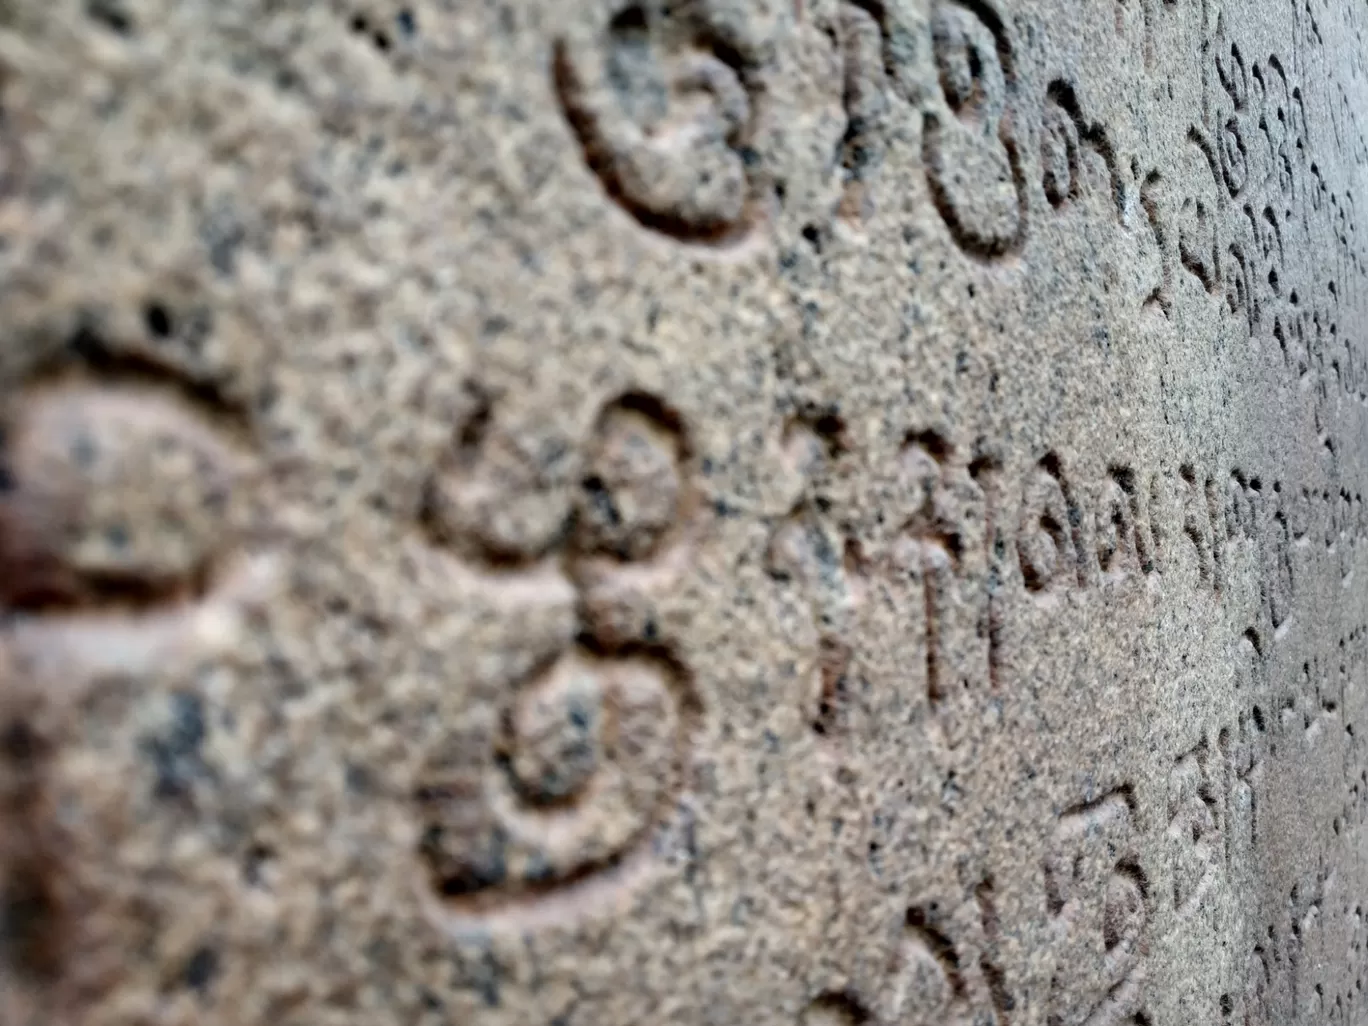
[624, 512]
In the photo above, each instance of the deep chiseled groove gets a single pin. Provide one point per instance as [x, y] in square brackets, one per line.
[1161, 295]
[1093, 134]
[89, 353]
[92, 376]
[1054, 467]
[993, 973]
[599, 156]
[985, 247]
[917, 923]
[968, 239]
[569, 893]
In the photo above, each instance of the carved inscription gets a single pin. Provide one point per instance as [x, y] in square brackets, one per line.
[561, 768]
[1124, 547]
[1194, 831]
[1199, 510]
[1097, 896]
[123, 528]
[1069, 144]
[1297, 963]
[1047, 539]
[943, 551]
[1059, 153]
[970, 148]
[130, 549]
[821, 573]
[664, 104]
[1244, 749]
[946, 970]
[1247, 181]
[574, 743]
[967, 543]
[865, 99]
[116, 487]
[1131, 524]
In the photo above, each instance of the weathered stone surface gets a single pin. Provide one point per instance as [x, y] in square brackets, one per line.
[614, 512]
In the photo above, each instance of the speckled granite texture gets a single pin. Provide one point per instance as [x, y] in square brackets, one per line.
[643, 512]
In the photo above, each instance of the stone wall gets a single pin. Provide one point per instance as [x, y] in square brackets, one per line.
[608, 512]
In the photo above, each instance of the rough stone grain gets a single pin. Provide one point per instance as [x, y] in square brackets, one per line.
[623, 512]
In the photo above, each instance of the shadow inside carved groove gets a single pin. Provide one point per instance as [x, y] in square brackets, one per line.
[836, 686]
[990, 961]
[1194, 829]
[1059, 157]
[927, 942]
[826, 574]
[665, 108]
[943, 553]
[1197, 243]
[835, 1009]
[35, 924]
[1234, 157]
[30, 915]
[1121, 547]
